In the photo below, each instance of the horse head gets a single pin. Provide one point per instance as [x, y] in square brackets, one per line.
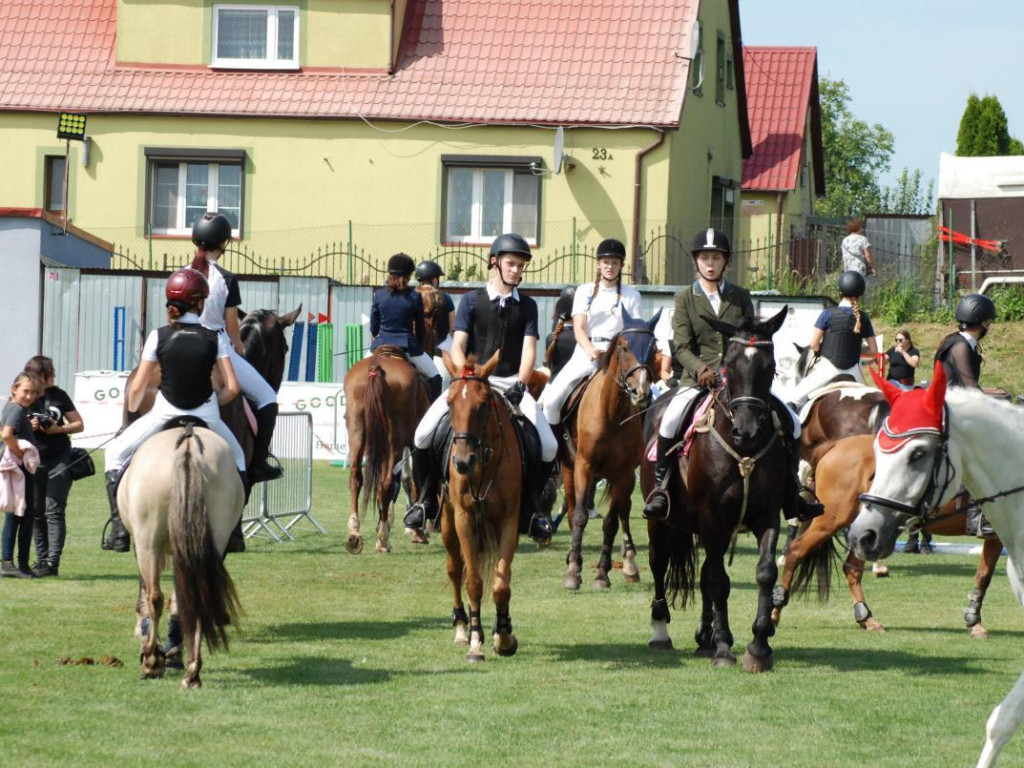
[470, 403]
[630, 357]
[749, 361]
[805, 361]
[262, 335]
[914, 468]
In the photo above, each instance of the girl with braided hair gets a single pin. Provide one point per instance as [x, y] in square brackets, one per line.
[598, 314]
[837, 339]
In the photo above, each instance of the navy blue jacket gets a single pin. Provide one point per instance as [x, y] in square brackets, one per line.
[397, 318]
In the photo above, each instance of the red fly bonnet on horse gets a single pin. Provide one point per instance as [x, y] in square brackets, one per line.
[914, 412]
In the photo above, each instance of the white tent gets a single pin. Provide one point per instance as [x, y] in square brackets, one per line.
[966, 178]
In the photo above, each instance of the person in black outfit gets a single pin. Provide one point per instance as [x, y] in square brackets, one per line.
[561, 343]
[61, 419]
[16, 425]
[903, 359]
[961, 360]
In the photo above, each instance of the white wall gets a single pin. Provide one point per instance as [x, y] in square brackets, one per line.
[20, 305]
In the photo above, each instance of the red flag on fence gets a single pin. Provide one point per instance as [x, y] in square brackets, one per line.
[959, 238]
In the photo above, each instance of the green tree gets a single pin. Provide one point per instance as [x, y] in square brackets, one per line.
[856, 153]
[908, 195]
[984, 131]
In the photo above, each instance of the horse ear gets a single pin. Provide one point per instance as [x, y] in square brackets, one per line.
[718, 325]
[626, 317]
[777, 320]
[453, 371]
[290, 318]
[241, 314]
[937, 389]
[654, 320]
[490, 365]
[890, 390]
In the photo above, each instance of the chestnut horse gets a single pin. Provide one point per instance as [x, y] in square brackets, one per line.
[731, 481]
[600, 440]
[480, 508]
[384, 401]
[181, 495]
[433, 306]
[845, 469]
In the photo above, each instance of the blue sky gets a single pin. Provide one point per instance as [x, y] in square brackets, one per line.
[910, 64]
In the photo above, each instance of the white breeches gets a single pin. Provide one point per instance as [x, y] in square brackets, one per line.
[253, 385]
[673, 416]
[575, 370]
[424, 365]
[820, 375]
[124, 445]
[529, 407]
[444, 346]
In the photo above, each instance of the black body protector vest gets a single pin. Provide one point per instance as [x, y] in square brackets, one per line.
[495, 327]
[953, 377]
[187, 354]
[841, 344]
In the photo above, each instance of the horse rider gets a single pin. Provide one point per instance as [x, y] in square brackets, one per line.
[495, 317]
[561, 342]
[837, 339]
[699, 349]
[185, 352]
[598, 313]
[211, 234]
[430, 273]
[960, 357]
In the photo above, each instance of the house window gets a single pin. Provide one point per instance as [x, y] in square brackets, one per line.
[720, 66]
[53, 183]
[255, 36]
[182, 189]
[487, 196]
[697, 65]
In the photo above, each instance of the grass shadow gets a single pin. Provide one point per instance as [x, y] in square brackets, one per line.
[621, 655]
[347, 630]
[875, 660]
[310, 670]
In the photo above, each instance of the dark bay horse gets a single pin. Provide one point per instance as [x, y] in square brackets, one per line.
[731, 481]
[845, 469]
[384, 401]
[181, 495]
[480, 509]
[600, 440]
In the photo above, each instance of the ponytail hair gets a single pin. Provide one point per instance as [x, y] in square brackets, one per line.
[200, 264]
[855, 301]
[555, 333]
[397, 283]
[175, 309]
[597, 286]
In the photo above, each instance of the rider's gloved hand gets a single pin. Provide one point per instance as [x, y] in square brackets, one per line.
[705, 376]
[514, 394]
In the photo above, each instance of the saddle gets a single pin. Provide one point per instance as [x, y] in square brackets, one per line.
[391, 350]
[569, 408]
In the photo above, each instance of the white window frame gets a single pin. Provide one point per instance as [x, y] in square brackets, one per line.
[213, 184]
[476, 236]
[270, 61]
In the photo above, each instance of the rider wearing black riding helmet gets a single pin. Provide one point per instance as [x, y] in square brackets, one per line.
[561, 342]
[961, 359]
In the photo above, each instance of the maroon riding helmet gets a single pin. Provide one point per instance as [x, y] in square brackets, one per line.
[187, 286]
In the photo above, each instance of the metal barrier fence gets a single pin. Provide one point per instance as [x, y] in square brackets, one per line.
[275, 507]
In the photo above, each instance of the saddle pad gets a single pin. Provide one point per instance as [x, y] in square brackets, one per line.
[250, 415]
[698, 413]
[390, 350]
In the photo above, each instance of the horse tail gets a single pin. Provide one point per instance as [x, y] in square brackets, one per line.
[817, 566]
[378, 435]
[203, 589]
[681, 577]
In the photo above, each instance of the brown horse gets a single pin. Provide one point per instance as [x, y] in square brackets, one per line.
[433, 309]
[384, 401]
[600, 440]
[480, 510]
[731, 481]
[845, 469]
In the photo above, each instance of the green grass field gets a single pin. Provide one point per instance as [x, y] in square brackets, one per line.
[347, 660]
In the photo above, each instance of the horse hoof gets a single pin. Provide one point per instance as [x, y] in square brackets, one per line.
[602, 583]
[979, 632]
[704, 653]
[507, 651]
[474, 658]
[354, 545]
[755, 664]
[882, 572]
[660, 645]
[190, 683]
[776, 616]
[383, 548]
[420, 537]
[631, 578]
[872, 625]
[724, 661]
[572, 579]
[543, 543]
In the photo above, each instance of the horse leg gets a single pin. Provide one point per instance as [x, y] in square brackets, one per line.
[657, 559]
[796, 552]
[853, 568]
[195, 659]
[990, 552]
[355, 485]
[456, 573]
[153, 604]
[1002, 724]
[758, 657]
[505, 643]
[720, 587]
[630, 572]
[474, 586]
[578, 516]
[609, 528]
[704, 636]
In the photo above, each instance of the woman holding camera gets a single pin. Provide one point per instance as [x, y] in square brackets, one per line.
[903, 359]
[54, 417]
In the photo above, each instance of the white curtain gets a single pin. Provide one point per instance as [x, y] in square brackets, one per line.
[241, 34]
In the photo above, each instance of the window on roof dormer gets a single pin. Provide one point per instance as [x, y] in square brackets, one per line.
[255, 37]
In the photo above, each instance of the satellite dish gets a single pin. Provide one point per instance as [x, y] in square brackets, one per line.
[559, 154]
[694, 40]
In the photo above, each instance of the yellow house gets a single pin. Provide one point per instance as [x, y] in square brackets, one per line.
[786, 171]
[336, 132]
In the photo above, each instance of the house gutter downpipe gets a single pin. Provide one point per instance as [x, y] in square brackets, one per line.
[637, 192]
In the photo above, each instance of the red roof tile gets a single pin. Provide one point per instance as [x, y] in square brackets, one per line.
[537, 61]
[780, 86]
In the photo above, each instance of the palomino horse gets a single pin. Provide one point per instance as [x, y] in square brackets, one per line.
[599, 439]
[480, 510]
[384, 401]
[844, 471]
[731, 481]
[932, 442]
[181, 494]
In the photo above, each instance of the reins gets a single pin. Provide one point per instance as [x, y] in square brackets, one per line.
[477, 441]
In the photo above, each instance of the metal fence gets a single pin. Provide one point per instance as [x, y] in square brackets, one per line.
[274, 508]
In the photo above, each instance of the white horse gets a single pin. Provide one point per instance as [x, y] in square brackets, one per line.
[932, 442]
[181, 495]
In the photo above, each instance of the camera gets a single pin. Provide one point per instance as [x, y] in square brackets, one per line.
[45, 419]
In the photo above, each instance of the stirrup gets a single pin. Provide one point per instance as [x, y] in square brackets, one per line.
[416, 516]
[658, 493]
[117, 541]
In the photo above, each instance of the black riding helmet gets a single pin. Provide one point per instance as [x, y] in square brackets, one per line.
[211, 232]
[510, 242]
[852, 284]
[975, 309]
[611, 247]
[563, 307]
[428, 270]
[401, 264]
[711, 239]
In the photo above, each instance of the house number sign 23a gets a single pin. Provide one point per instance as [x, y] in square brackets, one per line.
[601, 153]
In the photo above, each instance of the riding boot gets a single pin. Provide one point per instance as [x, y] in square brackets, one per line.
[977, 524]
[796, 504]
[236, 541]
[657, 507]
[538, 526]
[118, 539]
[426, 507]
[434, 387]
[260, 470]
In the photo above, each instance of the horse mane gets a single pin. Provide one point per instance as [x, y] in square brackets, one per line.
[605, 361]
